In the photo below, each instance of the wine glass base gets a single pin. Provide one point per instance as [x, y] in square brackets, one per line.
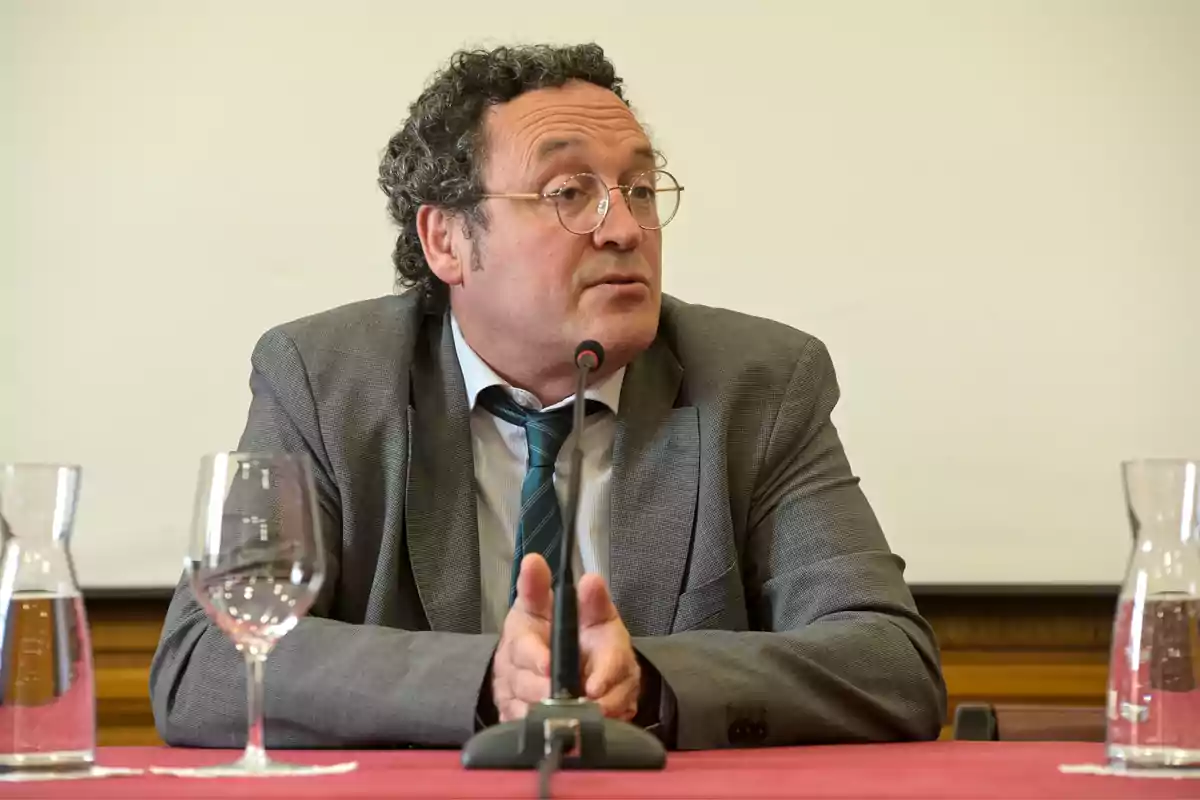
[256, 768]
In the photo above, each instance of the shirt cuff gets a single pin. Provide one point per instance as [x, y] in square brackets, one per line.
[656, 705]
[486, 714]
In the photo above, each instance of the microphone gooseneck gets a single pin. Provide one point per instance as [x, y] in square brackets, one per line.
[564, 643]
[566, 730]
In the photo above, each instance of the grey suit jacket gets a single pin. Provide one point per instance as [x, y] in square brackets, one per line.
[744, 558]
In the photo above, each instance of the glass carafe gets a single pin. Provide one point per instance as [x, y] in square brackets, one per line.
[47, 694]
[1154, 671]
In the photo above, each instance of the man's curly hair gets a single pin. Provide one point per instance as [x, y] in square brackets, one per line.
[437, 157]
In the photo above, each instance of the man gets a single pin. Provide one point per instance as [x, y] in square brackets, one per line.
[738, 591]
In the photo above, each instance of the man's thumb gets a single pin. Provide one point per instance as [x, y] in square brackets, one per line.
[595, 604]
[534, 595]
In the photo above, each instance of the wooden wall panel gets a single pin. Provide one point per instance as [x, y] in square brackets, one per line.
[124, 635]
[1047, 648]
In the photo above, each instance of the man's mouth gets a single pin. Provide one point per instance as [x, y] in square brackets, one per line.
[620, 280]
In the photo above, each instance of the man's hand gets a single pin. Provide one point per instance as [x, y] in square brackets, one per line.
[611, 675]
[521, 666]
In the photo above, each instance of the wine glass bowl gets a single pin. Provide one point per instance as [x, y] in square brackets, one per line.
[257, 599]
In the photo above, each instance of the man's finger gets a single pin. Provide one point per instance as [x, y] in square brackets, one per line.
[530, 653]
[530, 688]
[514, 709]
[604, 670]
[501, 693]
[595, 604]
[621, 702]
[534, 595]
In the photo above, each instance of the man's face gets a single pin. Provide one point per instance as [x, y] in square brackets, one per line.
[531, 281]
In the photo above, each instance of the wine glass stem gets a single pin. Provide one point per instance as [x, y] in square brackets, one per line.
[256, 753]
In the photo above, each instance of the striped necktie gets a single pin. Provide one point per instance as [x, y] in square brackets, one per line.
[540, 523]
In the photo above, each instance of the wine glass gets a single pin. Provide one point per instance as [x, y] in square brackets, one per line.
[255, 565]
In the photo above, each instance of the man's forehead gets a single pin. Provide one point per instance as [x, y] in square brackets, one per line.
[542, 124]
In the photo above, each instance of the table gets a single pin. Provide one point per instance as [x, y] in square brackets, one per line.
[1008, 770]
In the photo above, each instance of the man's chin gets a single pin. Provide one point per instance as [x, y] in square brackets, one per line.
[626, 334]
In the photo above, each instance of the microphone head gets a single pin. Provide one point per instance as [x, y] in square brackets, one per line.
[590, 354]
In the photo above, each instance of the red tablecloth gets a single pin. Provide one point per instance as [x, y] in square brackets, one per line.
[928, 770]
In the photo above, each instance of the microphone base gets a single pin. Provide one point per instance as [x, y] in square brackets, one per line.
[591, 741]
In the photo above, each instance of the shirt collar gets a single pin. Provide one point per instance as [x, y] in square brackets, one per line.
[477, 376]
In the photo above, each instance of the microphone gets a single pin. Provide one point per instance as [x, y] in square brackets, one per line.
[566, 730]
[564, 653]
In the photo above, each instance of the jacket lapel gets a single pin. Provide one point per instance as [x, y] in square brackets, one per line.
[441, 526]
[655, 478]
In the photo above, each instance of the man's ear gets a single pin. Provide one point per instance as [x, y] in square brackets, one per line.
[438, 228]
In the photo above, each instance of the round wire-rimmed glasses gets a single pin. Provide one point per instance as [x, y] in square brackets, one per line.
[583, 200]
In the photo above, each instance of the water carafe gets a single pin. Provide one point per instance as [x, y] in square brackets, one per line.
[47, 694]
[1153, 714]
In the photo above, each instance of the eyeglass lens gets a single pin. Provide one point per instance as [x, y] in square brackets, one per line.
[652, 198]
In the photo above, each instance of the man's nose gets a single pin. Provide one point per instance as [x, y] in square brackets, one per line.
[620, 229]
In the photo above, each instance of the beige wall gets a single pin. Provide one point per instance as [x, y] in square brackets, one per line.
[987, 210]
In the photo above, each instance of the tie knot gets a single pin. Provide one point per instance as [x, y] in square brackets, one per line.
[545, 431]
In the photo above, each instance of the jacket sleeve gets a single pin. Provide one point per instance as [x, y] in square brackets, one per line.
[328, 683]
[842, 654]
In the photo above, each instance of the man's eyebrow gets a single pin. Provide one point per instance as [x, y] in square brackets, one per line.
[551, 147]
[646, 153]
